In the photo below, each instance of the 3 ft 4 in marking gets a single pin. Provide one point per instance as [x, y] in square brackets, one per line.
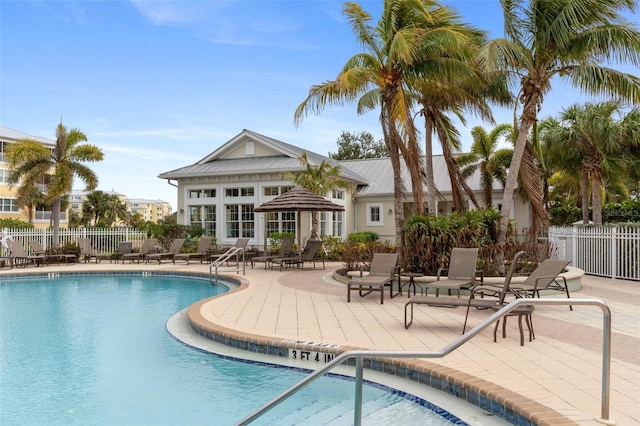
[310, 355]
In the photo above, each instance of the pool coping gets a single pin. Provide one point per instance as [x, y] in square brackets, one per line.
[511, 406]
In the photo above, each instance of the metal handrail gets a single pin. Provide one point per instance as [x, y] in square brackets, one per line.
[359, 355]
[232, 253]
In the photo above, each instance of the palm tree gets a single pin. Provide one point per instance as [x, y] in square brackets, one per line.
[320, 179]
[115, 210]
[565, 39]
[462, 88]
[31, 161]
[95, 207]
[592, 136]
[409, 32]
[29, 198]
[492, 163]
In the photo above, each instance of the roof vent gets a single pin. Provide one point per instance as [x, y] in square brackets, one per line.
[250, 148]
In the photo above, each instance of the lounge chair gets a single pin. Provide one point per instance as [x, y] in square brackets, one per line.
[148, 246]
[461, 273]
[37, 249]
[482, 296]
[88, 252]
[545, 277]
[383, 272]
[202, 252]
[308, 255]
[19, 257]
[176, 246]
[286, 250]
[124, 247]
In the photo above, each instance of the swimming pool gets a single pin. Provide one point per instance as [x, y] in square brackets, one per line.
[93, 349]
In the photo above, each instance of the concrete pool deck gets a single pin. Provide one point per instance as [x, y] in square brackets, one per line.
[556, 378]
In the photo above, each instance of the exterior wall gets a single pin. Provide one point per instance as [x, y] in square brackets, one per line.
[385, 226]
[196, 201]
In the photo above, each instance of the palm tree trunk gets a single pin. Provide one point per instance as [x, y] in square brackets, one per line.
[526, 121]
[596, 198]
[432, 200]
[584, 195]
[56, 222]
[532, 183]
[458, 183]
[390, 139]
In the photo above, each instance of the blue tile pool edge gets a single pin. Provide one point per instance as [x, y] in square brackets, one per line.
[508, 405]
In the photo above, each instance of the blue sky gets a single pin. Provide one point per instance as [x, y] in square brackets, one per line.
[160, 84]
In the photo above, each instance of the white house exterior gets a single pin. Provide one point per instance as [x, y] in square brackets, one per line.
[220, 192]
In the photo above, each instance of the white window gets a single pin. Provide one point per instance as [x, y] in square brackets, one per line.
[338, 223]
[280, 222]
[239, 192]
[204, 217]
[374, 214]
[4, 175]
[240, 221]
[8, 205]
[338, 194]
[250, 148]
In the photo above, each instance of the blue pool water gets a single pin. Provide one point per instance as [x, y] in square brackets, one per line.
[93, 349]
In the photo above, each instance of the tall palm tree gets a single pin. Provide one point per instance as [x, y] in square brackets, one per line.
[597, 136]
[31, 161]
[408, 32]
[492, 163]
[565, 39]
[320, 179]
[461, 88]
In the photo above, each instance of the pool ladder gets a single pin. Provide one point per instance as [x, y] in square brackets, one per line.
[235, 255]
[360, 355]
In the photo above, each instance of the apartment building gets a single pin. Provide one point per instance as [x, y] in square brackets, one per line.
[40, 217]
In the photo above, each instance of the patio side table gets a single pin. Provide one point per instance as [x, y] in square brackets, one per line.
[412, 282]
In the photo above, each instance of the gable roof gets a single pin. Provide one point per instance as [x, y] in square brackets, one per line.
[283, 157]
[373, 176]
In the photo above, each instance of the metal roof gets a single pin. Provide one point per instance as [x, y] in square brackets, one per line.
[14, 135]
[215, 164]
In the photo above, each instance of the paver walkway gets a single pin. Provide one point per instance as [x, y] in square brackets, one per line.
[560, 369]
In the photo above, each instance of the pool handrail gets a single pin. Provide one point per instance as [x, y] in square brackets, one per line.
[233, 254]
[359, 355]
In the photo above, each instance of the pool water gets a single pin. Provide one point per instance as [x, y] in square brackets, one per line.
[93, 349]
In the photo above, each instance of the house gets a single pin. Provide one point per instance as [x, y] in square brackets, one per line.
[220, 191]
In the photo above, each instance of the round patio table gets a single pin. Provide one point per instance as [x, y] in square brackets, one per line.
[411, 283]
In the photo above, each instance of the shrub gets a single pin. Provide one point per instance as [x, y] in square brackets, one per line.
[15, 224]
[363, 237]
[355, 254]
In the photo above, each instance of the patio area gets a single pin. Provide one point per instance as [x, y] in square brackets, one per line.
[556, 378]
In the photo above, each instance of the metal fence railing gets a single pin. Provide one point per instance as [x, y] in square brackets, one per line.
[608, 251]
[103, 239]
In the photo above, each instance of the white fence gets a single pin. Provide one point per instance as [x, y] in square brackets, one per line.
[609, 251]
[102, 239]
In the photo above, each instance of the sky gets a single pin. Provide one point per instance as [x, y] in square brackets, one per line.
[158, 85]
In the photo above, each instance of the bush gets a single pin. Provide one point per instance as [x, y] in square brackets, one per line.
[355, 254]
[430, 239]
[363, 237]
[15, 224]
